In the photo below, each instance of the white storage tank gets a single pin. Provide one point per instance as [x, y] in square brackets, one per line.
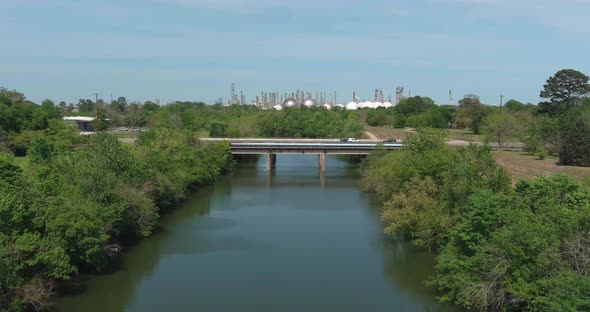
[352, 106]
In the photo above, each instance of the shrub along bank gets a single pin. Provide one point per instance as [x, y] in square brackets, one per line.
[73, 210]
[502, 248]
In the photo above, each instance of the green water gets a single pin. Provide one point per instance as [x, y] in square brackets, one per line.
[293, 240]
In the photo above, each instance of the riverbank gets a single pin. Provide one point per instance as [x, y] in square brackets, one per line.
[288, 240]
[72, 211]
[499, 247]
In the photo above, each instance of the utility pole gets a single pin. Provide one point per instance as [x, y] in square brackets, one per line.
[96, 106]
[501, 101]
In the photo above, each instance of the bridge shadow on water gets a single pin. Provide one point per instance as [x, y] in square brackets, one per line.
[297, 171]
[253, 222]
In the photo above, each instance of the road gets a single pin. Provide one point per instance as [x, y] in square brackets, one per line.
[374, 139]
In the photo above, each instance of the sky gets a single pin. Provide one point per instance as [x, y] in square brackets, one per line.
[193, 49]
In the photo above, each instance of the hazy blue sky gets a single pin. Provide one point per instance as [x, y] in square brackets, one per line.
[193, 49]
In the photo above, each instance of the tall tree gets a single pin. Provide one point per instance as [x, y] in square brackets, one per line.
[10, 97]
[514, 105]
[575, 137]
[120, 104]
[471, 114]
[563, 91]
[150, 106]
[500, 127]
[414, 105]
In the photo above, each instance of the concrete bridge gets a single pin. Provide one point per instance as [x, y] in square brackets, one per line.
[320, 147]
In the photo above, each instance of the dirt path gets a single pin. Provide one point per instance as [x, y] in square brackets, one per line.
[371, 136]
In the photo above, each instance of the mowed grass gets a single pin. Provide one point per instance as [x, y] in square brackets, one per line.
[522, 165]
[124, 134]
[465, 135]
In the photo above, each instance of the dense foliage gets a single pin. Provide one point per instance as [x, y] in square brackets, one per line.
[74, 210]
[415, 112]
[575, 135]
[250, 121]
[310, 123]
[564, 90]
[501, 248]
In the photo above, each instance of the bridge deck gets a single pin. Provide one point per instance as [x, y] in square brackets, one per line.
[308, 148]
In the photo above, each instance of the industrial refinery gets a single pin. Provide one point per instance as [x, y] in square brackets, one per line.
[301, 98]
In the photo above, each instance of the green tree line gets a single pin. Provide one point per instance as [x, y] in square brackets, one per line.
[559, 125]
[501, 248]
[72, 210]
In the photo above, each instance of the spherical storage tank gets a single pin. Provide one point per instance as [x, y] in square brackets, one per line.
[309, 103]
[327, 106]
[290, 103]
[352, 106]
[377, 104]
[387, 105]
[339, 106]
[277, 107]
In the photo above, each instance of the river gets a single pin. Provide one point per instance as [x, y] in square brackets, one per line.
[292, 240]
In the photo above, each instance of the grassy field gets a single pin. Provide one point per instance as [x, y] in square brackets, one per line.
[454, 134]
[465, 135]
[124, 134]
[522, 165]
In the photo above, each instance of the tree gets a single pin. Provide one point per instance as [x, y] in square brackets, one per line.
[575, 131]
[501, 126]
[471, 114]
[4, 143]
[10, 97]
[150, 106]
[135, 116]
[85, 106]
[120, 104]
[525, 250]
[414, 105]
[433, 118]
[100, 123]
[514, 105]
[217, 129]
[542, 132]
[563, 91]
[378, 118]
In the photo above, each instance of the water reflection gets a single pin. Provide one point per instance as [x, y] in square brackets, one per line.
[113, 291]
[292, 239]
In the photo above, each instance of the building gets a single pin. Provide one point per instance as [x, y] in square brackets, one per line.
[81, 122]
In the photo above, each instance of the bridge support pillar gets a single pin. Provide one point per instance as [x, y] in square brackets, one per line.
[322, 161]
[271, 161]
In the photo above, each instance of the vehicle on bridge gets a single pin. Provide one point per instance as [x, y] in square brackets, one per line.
[390, 140]
[352, 140]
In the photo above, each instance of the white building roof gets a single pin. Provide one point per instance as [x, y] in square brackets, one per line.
[79, 118]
